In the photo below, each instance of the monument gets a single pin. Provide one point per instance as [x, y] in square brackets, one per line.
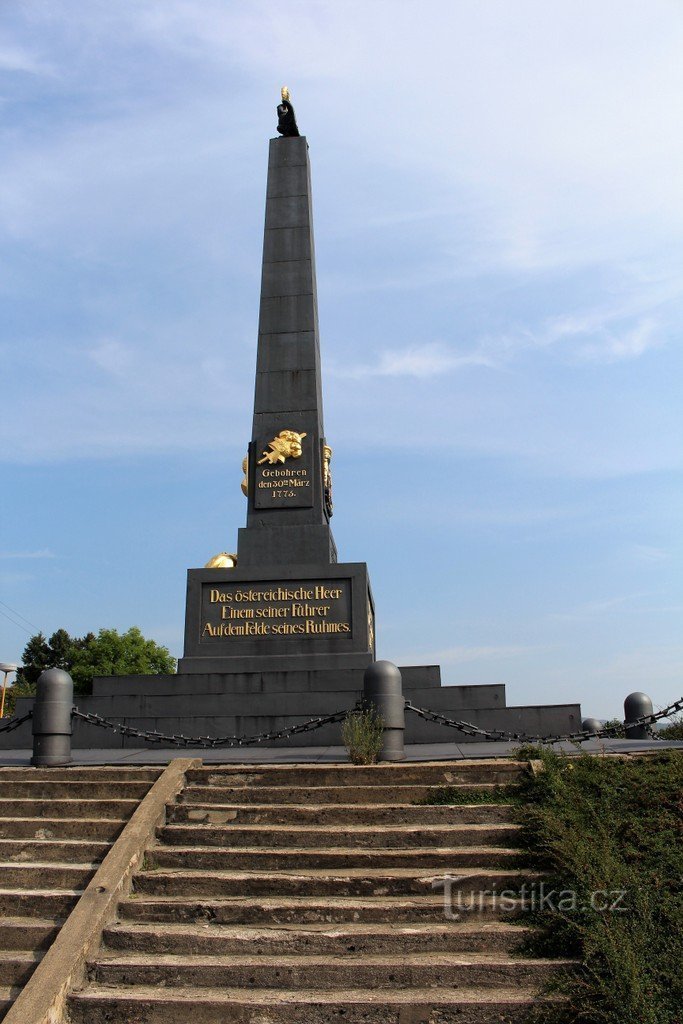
[282, 630]
[289, 606]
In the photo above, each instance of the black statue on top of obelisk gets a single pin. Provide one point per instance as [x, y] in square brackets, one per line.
[286, 118]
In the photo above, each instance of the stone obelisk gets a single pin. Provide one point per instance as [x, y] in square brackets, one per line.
[288, 605]
[289, 502]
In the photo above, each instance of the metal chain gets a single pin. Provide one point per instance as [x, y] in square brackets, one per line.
[208, 741]
[14, 723]
[575, 737]
[468, 728]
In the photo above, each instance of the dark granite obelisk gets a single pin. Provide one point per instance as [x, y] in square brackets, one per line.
[289, 604]
[288, 519]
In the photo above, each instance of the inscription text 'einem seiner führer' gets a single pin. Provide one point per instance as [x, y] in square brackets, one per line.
[302, 609]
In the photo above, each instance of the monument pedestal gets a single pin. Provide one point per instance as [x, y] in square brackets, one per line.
[300, 615]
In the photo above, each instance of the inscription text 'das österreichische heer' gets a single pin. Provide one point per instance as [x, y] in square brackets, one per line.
[299, 609]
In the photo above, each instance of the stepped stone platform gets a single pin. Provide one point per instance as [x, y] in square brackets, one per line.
[311, 894]
[220, 705]
[56, 826]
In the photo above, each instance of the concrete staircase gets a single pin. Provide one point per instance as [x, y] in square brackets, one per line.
[305, 894]
[56, 825]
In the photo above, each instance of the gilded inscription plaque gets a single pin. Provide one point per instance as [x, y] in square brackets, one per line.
[283, 473]
[297, 609]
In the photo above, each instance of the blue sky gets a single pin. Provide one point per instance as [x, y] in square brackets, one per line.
[499, 228]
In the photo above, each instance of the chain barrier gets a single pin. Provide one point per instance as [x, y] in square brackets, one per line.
[209, 741]
[14, 723]
[469, 729]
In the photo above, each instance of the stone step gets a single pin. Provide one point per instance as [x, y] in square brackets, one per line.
[46, 875]
[350, 794]
[97, 1005]
[351, 882]
[298, 910]
[358, 837]
[314, 939]
[37, 807]
[8, 993]
[305, 972]
[17, 966]
[40, 903]
[258, 858]
[438, 773]
[404, 837]
[339, 814]
[28, 933]
[79, 774]
[103, 829]
[77, 851]
[47, 790]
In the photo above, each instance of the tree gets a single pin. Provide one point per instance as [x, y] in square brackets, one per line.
[109, 653]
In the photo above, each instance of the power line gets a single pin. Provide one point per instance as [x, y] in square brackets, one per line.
[18, 624]
[19, 615]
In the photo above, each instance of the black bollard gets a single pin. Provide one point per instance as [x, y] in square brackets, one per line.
[383, 689]
[52, 719]
[636, 706]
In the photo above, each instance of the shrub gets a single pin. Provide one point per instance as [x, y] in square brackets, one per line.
[672, 731]
[362, 735]
[606, 824]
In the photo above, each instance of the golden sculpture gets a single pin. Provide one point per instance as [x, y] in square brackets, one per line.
[224, 560]
[245, 481]
[371, 629]
[287, 445]
[284, 92]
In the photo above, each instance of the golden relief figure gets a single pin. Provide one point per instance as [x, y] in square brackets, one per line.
[371, 628]
[245, 480]
[287, 445]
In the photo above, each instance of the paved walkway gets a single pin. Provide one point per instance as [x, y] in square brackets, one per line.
[322, 755]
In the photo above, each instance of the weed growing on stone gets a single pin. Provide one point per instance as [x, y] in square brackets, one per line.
[362, 734]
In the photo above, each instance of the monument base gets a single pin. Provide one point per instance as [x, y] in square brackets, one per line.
[246, 703]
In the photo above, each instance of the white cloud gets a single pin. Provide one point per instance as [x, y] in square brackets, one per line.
[598, 336]
[591, 610]
[648, 554]
[429, 360]
[20, 555]
[631, 344]
[462, 655]
[16, 58]
[112, 357]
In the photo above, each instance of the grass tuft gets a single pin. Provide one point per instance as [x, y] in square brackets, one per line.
[362, 734]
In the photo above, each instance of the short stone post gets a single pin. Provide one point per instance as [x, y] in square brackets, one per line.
[382, 688]
[52, 719]
[636, 706]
